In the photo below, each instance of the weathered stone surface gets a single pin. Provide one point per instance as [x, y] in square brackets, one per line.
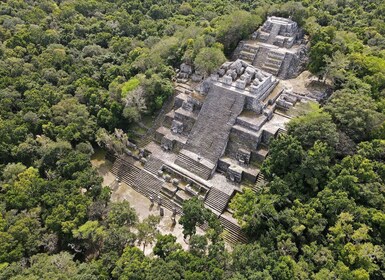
[287, 55]
[186, 68]
[167, 178]
[243, 156]
[175, 182]
[234, 174]
[167, 144]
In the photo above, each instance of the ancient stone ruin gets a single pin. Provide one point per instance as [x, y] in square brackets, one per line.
[216, 135]
[277, 47]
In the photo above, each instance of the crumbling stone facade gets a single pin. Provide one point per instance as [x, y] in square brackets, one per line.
[277, 47]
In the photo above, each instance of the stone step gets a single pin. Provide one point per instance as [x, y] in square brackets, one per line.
[153, 164]
[193, 166]
[234, 233]
[273, 33]
[260, 57]
[271, 66]
[169, 117]
[257, 188]
[209, 136]
[273, 63]
[262, 153]
[247, 56]
[169, 204]
[217, 200]
[260, 182]
[271, 70]
[250, 48]
[140, 180]
[276, 55]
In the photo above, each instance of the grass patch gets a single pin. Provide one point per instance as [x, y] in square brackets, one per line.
[302, 108]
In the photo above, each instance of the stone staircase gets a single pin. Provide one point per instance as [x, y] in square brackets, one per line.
[140, 180]
[259, 183]
[147, 184]
[217, 200]
[233, 232]
[273, 34]
[260, 58]
[190, 164]
[209, 136]
[153, 164]
[169, 204]
[289, 64]
[248, 53]
[273, 62]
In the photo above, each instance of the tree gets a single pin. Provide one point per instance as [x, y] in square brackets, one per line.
[285, 155]
[71, 121]
[314, 126]
[20, 235]
[354, 114]
[24, 192]
[355, 249]
[208, 60]
[322, 48]
[92, 234]
[159, 269]
[315, 168]
[198, 245]
[147, 230]
[255, 213]
[131, 265]
[165, 245]
[336, 68]
[121, 214]
[193, 216]
[249, 259]
[234, 27]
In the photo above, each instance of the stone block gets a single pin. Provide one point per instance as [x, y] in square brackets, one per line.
[175, 182]
[240, 84]
[188, 105]
[254, 89]
[221, 72]
[236, 65]
[191, 191]
[243, 156]
[196, 78]
[176, 127]
[251, 71]
[227, 80]
[214, 77]
[167, 144]
[167, 178]
[234, 174]
[186, 68]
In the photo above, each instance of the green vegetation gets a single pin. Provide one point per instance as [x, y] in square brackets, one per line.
[73, 71]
